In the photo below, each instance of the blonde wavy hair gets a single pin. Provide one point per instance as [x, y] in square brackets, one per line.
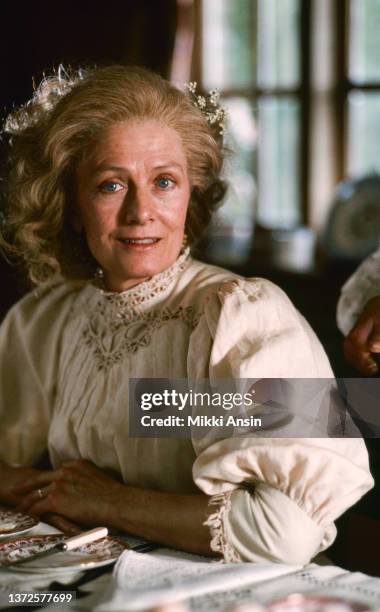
[49, 135]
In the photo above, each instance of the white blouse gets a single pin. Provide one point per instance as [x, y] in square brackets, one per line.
[68, 352]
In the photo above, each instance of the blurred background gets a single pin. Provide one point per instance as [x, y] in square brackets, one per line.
[301, 81]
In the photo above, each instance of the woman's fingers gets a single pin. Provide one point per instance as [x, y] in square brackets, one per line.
[359, 356]
[62, 523]
[364, 339]
[77, 491]
[374, 340]
[38, 508]
[36, 482]
[356, 346]
[10, 478]
[34, 497]
[46, 477]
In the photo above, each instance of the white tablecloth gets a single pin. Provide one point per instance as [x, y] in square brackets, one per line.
[140, 581]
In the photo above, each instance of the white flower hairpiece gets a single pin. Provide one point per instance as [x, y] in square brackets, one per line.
[45, 97]
[209, 105]
[56, 86]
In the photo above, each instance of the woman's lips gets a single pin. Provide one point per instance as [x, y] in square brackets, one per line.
[138, 243]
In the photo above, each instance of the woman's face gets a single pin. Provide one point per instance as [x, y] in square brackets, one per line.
[133, 192]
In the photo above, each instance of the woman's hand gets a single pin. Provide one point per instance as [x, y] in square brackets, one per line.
[364, 339]
[77, 491]
[63, 524]
[10, 479]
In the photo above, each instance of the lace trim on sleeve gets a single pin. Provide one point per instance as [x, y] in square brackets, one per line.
[216, 523]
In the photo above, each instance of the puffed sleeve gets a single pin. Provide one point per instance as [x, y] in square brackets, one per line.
[29, 353]
[363, 285]
[275, 499]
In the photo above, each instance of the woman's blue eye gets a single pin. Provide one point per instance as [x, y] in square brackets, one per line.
[164, 183]
[111, 187]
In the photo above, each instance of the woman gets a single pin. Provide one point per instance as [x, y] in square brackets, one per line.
[117, 170]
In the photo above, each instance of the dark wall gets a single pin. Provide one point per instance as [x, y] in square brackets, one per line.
[41, 34]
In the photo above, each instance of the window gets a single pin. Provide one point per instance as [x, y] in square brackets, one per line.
[250, 51]
[301, 79]
[362, 80]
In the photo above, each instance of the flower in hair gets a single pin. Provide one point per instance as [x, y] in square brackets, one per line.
[45, 97]
[209, 105]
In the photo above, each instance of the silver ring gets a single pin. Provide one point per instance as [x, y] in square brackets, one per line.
[41, 494]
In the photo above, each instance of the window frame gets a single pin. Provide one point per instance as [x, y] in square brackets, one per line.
[345, 85]
[315, 199]
[301, 93]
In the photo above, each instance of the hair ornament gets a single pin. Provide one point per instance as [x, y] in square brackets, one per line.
[58, 85]
[45, 97]
[209, 105]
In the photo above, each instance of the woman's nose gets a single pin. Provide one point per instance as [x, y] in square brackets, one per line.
[138, 206]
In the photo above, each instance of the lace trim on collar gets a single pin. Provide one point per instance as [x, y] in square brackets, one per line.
[146, 291]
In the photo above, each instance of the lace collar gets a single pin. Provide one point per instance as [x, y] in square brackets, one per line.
[149, 289]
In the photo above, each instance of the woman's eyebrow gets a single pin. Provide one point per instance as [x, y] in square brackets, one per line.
[169, 164]
[160, 166]
[106, 167]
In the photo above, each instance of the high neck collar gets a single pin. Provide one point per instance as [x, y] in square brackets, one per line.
[145, 292]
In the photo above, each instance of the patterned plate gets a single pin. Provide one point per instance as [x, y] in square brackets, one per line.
[299, 602]
[14, 523]
[95, 554]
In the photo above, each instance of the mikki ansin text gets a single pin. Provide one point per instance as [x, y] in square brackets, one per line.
[200, 421]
